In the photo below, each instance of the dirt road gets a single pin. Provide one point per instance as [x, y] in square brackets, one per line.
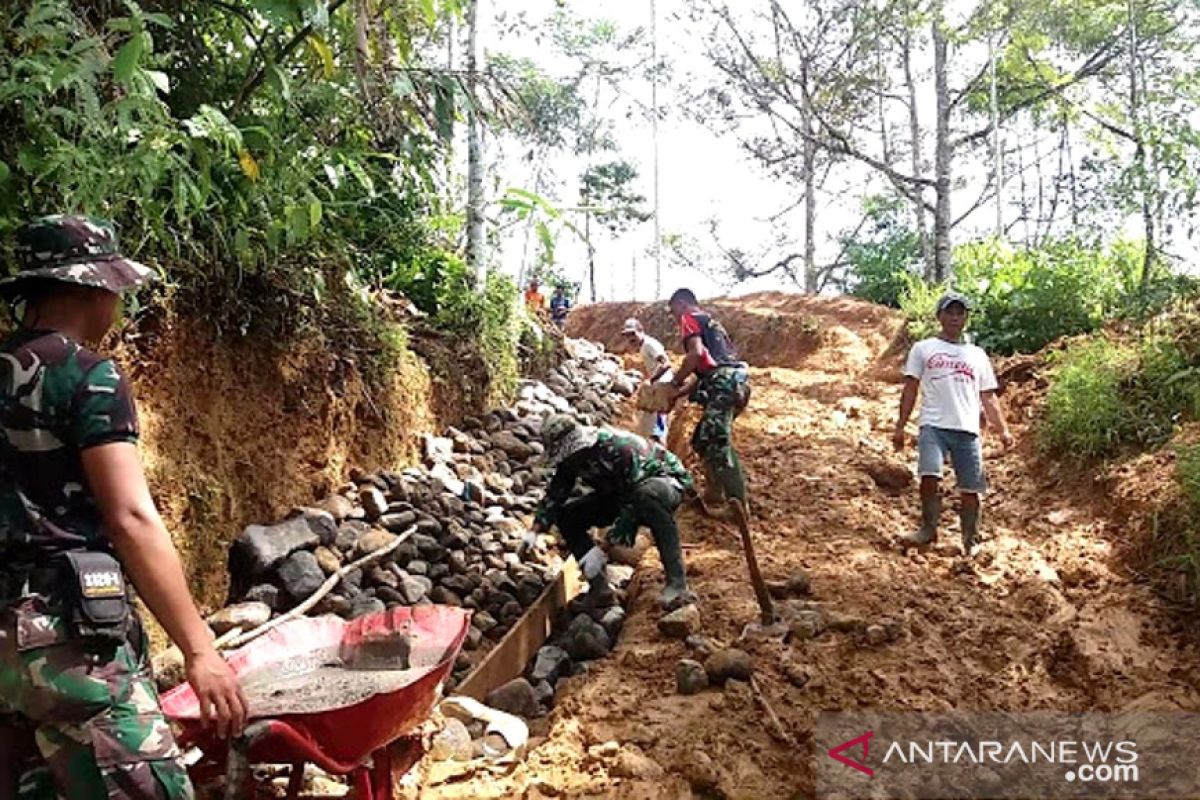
[1047, 619]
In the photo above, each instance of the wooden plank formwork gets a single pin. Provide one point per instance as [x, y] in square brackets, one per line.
[510, 656]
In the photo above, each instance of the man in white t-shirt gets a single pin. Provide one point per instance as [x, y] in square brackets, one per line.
[651, 424]
[956, 383]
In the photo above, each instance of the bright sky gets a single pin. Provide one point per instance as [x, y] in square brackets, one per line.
[705, 175]
[702, 176]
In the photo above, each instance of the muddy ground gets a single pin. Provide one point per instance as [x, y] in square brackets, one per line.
[1049, 618]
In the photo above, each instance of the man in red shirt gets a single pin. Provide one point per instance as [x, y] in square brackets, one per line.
[713, 376]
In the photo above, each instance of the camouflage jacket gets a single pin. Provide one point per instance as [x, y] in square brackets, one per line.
[614, 466]
[57, 398]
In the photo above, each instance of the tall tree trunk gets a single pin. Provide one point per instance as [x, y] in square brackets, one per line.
[383, 35]
[362, 48]
[1141, 166]
[914, 134]
[942, 253]
[587, 196]
[881, 77]
[997, 147]
[1071, 174]
[810, 188]
[476, 243]
[810, 217]
[654, 135]
[1027, 237]
[591, 250]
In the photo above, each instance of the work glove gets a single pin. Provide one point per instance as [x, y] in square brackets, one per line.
[592, 563]
[529, 543]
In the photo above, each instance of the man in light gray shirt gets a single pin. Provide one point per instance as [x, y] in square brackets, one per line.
[651, 424]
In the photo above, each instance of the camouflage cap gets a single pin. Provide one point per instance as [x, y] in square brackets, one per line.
[563, 436]
[73, 249]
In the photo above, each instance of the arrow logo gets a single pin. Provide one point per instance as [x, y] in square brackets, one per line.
[865, 741]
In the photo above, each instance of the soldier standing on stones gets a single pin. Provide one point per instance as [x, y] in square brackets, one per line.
[713, 376]
[630, 482]
[76, 516]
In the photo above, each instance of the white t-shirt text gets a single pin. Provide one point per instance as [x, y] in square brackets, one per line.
[952, 377]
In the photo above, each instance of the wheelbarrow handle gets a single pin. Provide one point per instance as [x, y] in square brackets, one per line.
[237, 767]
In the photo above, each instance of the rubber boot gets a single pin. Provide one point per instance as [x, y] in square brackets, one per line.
[931, 510]
[714, 491]
[969, 518]
[675, 593]
[730, 476]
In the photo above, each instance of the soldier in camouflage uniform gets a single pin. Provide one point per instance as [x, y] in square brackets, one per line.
[75, 515]
[630, 482]
[721, 384]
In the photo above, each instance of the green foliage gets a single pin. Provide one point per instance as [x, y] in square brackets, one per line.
[885, 256]
[1026, 298]
[607, 191]
[552, 110]
[1105, 395]
[549, 223]
[1187, 473]
[254, 187]
[918, 301]
[493, 320]
[1084, 412]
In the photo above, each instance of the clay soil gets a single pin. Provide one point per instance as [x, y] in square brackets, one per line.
[1049, 617]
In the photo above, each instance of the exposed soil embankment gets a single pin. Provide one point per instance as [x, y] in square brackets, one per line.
[235, 432]
[772, 328]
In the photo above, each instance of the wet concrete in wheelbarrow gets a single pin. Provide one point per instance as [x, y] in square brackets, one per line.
[321, 687]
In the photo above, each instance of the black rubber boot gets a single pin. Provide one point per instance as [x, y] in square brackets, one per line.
[675, 593]
[657, 500]
[931, 510]
[969, 518]
[728, 472]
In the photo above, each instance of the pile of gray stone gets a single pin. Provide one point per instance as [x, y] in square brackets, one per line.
[465, 510]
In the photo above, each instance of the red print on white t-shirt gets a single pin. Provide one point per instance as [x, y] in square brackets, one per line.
[951, 366]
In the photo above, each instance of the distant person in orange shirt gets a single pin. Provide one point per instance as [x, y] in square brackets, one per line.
[535, 301]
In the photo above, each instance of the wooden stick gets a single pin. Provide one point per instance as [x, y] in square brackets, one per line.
[778, 730]
[742, 519]
[325, 589]
[227, 636]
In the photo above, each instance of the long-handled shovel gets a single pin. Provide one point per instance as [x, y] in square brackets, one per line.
[741, 518]
[735, 512]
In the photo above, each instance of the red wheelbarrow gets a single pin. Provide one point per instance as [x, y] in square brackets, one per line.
[346, 697]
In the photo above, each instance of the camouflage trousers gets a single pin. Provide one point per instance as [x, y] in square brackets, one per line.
[93, 713]
[723, 393]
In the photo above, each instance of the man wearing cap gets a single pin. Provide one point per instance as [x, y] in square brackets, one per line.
[713, 376]
[629, 482]
[956, 381]
[651, 424]
[76, 517]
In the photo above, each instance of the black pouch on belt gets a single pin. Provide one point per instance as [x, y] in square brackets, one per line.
[96, 598]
